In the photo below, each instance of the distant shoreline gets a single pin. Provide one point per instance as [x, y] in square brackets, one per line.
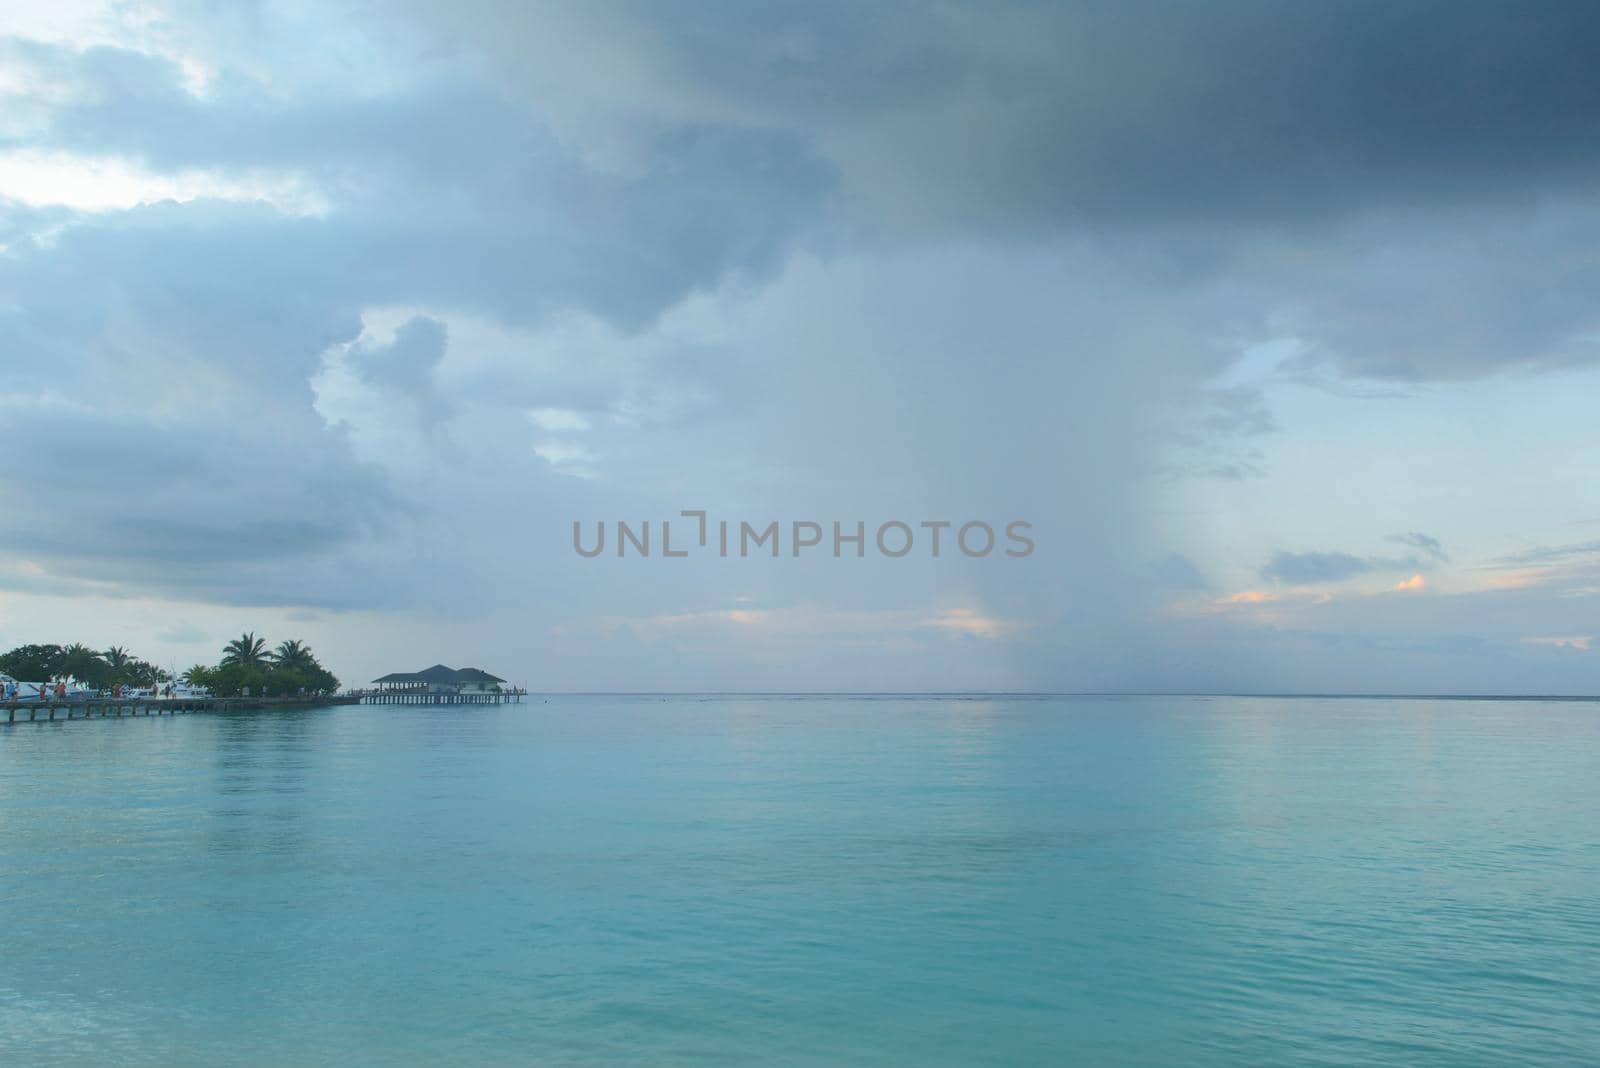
[971, 694]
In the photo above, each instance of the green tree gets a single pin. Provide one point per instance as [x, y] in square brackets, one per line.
[123, 668]
[85, 665]
[32, 663]
[294, 655]
[245, 651]
[143, 673]
[290, 670]
[314, 679]
[231, 680]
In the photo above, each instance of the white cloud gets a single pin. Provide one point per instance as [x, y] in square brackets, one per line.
[556, 419]
[567, 457]
[80, 23]
[112, 183]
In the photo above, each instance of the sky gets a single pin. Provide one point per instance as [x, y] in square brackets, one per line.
[1278, 324]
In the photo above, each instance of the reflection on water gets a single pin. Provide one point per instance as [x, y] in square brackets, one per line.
[807, 881]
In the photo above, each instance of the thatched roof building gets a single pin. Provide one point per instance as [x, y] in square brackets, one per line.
[441, 679]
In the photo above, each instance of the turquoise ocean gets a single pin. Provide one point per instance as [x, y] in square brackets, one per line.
[807, 881]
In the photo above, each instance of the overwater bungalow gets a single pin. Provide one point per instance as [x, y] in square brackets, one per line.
[440, 685]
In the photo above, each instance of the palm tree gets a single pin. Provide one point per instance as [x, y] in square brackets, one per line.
[84, 664]
[246, 650]
[192, 675]
[78, 659]
[144, 673]
[116, 658]
[294, 654]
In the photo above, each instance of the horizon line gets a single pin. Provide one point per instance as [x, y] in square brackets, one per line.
[1307, 695]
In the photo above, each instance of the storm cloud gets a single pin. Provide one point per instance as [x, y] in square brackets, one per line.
[358, 306]
[1019, 112]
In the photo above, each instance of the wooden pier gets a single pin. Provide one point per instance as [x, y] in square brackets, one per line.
[438, 697]
[50, 711]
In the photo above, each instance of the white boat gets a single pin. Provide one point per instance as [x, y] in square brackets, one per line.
[26, 691]
[57, 689]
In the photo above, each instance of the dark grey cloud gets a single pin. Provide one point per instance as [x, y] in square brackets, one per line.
[200, 324]
[1311, 568]
[408, 362]
[1024, 110]
[1442, 293]
[1548, 554]
[1406, 187]
[179, 290]
[443, 190]
[195, 507]
[1423, 543]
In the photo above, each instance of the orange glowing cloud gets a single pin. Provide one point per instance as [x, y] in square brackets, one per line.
[967, 621]
[807, 622]
[1577, 642]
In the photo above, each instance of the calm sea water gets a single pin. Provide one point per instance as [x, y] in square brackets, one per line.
[807, 881]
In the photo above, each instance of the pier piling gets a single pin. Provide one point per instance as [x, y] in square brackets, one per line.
[36, 711]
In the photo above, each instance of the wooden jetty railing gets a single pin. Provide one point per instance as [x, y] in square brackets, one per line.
[425, 696]
[51, 710]
[47, 711]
